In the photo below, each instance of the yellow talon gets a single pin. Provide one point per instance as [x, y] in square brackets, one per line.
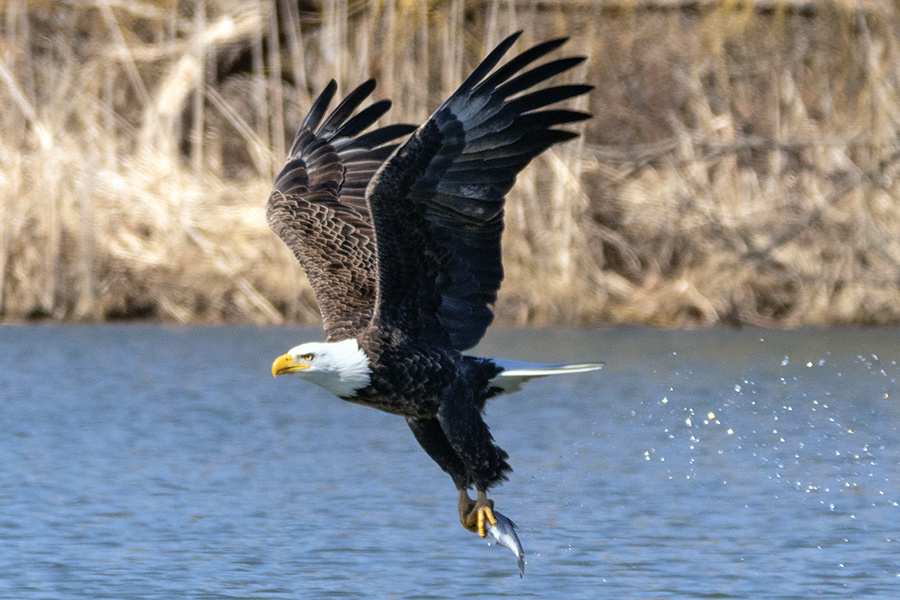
[485, 511]
[473, 514]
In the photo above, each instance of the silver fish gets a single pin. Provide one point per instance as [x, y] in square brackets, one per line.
[505, 533]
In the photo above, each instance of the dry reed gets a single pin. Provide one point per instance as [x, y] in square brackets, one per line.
[740, 167]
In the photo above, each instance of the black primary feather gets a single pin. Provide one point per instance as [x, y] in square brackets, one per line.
[437, 204]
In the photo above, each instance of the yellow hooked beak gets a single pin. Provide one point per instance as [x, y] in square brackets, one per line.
[286, 364]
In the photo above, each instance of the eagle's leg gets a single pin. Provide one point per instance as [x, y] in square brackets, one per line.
[431, 437]
[459, 416]
[473, 514]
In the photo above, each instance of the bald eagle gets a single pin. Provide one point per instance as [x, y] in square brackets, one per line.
[401, 245]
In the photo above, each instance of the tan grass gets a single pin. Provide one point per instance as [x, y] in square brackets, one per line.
[740, 168]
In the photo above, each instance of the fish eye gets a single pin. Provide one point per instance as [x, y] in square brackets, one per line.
[307, 357]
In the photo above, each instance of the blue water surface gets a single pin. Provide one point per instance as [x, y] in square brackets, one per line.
[142, 461]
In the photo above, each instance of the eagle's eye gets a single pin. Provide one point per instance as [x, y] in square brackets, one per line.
[307, 357]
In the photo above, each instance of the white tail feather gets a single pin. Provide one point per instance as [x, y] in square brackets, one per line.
[516, 372]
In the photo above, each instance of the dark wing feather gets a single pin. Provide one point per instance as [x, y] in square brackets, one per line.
[318, 206]
[437, 204]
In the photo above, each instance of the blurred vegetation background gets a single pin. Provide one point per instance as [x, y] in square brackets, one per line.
[741, 166]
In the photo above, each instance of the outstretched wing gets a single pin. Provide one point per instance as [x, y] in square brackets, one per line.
[437, 204]
[318, 206]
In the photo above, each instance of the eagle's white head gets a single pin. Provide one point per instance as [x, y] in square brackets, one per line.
[342, 367]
